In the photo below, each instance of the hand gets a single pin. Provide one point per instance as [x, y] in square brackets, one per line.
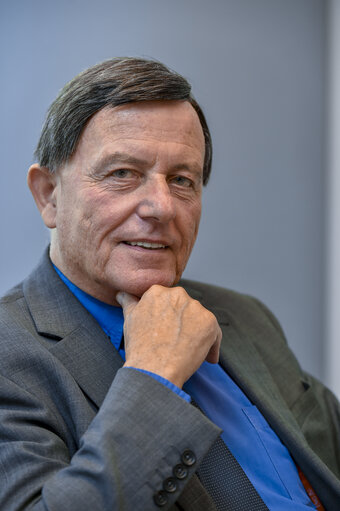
[168, 333]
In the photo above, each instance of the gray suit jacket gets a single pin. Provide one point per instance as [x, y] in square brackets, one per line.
[78, 433]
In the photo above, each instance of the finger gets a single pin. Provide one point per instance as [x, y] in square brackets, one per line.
[214, 352]
[127, 301]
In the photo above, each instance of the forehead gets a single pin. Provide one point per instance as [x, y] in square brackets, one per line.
[172, 123]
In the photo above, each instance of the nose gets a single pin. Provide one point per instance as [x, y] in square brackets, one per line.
[157, 202]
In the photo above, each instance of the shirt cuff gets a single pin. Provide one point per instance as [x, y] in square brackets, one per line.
[165, 382]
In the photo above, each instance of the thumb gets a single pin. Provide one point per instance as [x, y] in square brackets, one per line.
[127, 301]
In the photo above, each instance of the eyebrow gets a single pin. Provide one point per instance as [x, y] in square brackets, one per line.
[120, 157]
[195, 168]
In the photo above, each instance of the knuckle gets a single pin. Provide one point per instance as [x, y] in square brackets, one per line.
[179, 291]
[210, 316]
[155, 288]
[178, 295]
[214, 324]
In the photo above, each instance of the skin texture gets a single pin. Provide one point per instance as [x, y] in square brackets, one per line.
[169, 333]
[136, 176]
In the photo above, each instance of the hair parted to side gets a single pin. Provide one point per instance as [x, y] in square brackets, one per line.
[111, 83]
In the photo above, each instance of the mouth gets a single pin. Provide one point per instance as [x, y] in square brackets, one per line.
[145, 244]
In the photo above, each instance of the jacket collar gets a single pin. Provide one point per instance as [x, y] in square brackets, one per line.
[71, 331]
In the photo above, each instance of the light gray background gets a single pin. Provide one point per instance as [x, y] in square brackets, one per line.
[258, 69]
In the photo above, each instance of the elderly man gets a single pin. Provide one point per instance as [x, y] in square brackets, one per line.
[92, 419]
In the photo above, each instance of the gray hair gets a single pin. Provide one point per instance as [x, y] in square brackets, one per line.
[111, 83]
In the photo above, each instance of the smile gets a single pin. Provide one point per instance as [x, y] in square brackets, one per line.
[145, 244]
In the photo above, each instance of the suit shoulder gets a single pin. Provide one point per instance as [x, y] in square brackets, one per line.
[240, 308]
[16, 323]
[219, 296]
[12, 295]
[12, 308]
[211, 290]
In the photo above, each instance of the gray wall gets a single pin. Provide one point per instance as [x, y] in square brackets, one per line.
[257, 67]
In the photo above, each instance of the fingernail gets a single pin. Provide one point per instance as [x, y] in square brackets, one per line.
[119, 298]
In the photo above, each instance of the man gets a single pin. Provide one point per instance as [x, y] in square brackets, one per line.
[91, 419]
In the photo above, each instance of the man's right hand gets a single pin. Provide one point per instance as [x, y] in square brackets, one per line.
[168, 333]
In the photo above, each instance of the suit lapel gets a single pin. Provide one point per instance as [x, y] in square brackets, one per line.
[75, 337]
[240, 358]
[89, 356]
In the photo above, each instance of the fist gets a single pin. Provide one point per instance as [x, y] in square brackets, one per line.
[168, 333]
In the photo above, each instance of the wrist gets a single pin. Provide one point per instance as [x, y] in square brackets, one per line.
[165, 373]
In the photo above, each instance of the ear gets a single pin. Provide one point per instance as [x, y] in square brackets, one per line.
[43, 184]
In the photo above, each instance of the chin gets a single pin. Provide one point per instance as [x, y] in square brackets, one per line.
[138, 287]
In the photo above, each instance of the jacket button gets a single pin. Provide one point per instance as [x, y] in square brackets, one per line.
[180, 471]
[170, 485]
[160, 498]
[188, 458]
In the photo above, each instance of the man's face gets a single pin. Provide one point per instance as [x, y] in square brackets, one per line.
[128, 202]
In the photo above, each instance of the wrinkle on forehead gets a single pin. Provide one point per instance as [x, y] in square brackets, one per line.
[172, 124]
[160, 120]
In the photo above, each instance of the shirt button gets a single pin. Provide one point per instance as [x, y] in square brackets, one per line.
[170, 485]
[188, 458]
[160, 498]
[180, 471]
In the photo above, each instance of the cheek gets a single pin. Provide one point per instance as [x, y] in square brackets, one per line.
[193, 221]
[190, 224]
[87, 212]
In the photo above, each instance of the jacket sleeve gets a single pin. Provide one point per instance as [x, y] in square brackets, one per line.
[121, 462]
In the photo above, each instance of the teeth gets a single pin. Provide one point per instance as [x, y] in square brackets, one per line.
[144, 244]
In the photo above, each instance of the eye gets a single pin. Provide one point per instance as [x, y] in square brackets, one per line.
[183, 181]
[121, 173]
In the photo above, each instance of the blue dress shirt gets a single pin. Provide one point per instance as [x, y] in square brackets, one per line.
[259, 451]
